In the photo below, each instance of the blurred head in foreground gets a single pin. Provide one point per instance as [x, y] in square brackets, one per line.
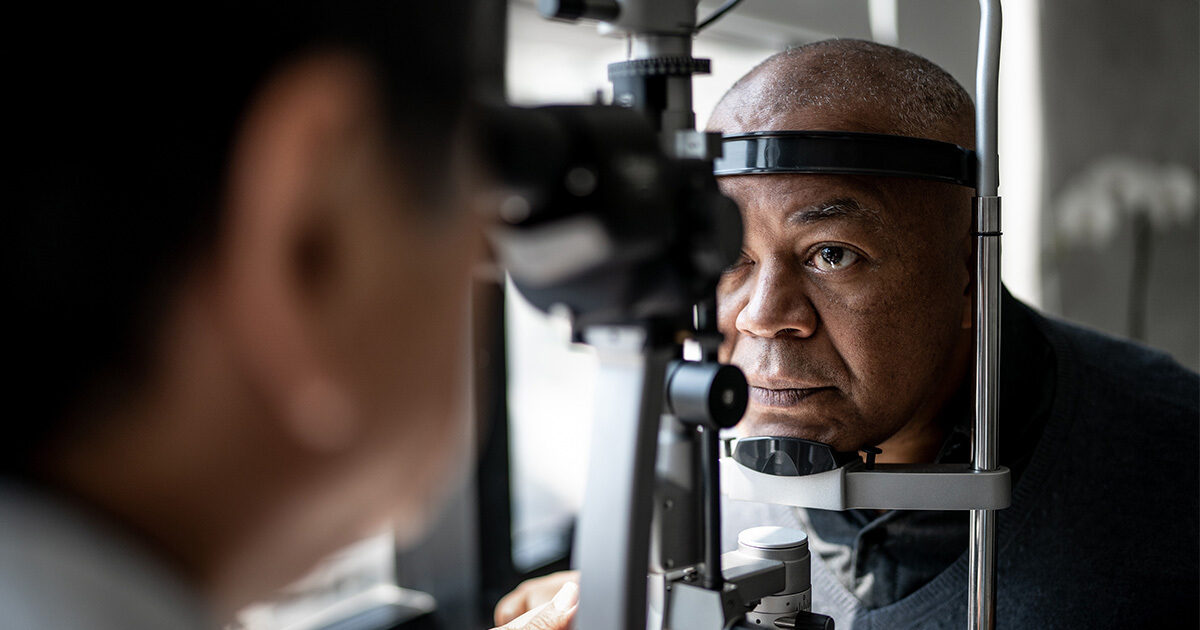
[239, 275]
[850, 309]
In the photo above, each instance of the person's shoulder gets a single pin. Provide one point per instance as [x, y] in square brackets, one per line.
[64, 567]
[1121, 369]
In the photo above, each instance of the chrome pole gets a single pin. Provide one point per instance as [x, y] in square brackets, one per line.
[982, 603]
[981, 607]
[612, 542]
[987, 78]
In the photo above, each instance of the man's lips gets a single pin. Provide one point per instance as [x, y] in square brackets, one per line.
[783, 397]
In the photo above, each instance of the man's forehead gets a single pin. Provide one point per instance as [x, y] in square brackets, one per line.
[900, 208]
[798, 199]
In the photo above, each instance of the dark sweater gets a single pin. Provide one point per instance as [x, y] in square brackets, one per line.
[1104, 526]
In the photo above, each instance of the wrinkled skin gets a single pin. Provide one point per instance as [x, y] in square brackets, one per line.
[848, 306]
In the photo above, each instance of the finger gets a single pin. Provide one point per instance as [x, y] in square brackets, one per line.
[531, 594]
[553, 615]
[512, 606]
[547, 618]
[566, 598]
[522, 622]
[543, 589]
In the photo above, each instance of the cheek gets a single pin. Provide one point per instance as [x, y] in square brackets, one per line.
[893, 332]
[437, 326]
[424, 392]
[412, 346]
[729, 303]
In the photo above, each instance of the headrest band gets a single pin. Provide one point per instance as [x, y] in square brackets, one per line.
[846, 153]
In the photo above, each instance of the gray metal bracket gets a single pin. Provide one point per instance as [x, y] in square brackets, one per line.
[887, 487]
[747, 581]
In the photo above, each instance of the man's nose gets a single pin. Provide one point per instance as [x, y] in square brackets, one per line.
[778, 305]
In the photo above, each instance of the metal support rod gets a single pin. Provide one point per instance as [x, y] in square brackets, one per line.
[987, 81]
[612, 543]
[710, 454]
[677, 114]
[981, 606]
[709, 442]
[982, 600]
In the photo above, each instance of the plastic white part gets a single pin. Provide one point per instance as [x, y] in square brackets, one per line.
[772, 537]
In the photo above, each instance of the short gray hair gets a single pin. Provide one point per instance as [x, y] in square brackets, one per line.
[911, 95]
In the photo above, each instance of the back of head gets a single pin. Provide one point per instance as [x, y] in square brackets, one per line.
[849, 85]
[119, 129]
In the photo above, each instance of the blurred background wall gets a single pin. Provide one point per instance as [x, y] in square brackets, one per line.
[1121, 86]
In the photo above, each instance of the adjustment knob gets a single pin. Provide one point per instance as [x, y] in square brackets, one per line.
[603, 10]
[659, 66]
[710, 394]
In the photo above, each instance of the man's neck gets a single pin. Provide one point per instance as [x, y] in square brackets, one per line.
[916, 443]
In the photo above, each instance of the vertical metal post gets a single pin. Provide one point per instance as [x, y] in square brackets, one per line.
[981, 607]
[710, 487]
[612, 543]
[987, 79]
[677, 113]
[982, 602]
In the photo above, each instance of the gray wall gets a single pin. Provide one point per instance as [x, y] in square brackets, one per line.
[944, 31]
[1123, 78]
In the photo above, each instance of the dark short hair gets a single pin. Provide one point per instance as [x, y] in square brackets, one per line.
[119, 129]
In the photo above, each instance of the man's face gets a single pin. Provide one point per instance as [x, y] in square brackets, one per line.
[846, 308]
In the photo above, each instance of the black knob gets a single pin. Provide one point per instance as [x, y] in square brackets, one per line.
[603, 10]
[805, 620]
[871, 452]
[710, 394]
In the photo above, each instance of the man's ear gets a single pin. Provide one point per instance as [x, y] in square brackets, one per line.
[280, 217]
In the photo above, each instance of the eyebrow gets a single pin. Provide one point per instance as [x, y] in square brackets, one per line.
[840, 208]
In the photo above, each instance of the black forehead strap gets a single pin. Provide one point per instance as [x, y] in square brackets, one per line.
[846, 153]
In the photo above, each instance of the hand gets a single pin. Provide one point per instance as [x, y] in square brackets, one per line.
[555, 614]
[533, 594]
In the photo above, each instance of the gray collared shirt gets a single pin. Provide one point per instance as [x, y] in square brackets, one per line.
[62, 568]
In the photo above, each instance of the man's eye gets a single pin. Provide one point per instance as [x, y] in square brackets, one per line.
[833, 258]
[741, 261]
